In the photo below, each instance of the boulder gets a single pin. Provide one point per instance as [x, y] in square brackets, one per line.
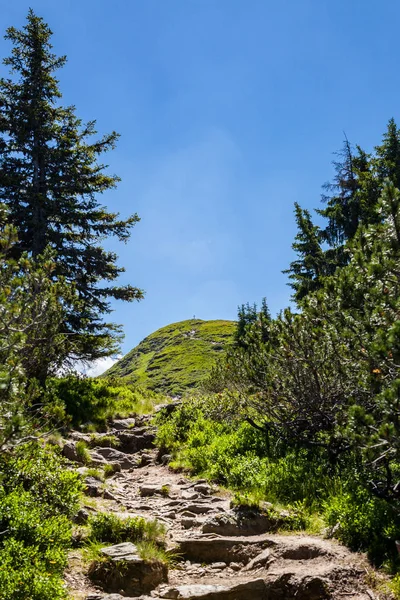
[93, 487]
[141, 439]
[97, 460]
[287, 585]
[116, 456]
[145, 460]
[125, 570]
[81, 517]
[69, 451]
[240, 522]
[121, 424]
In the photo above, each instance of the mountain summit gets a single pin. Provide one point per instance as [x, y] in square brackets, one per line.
[176, 357]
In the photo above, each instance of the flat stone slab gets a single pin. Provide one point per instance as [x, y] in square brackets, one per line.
[126, 551]
[222, 549]
[256, 590]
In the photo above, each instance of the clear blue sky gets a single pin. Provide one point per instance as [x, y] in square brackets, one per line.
[229, 112]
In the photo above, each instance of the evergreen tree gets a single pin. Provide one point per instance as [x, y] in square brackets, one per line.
[312, 263]
[387, 161]
[50, 178]
[345, 208]
[247, 315]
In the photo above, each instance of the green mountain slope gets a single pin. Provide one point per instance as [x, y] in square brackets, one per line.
[175, 357]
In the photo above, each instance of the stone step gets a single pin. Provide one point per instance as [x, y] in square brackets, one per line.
[248, 590]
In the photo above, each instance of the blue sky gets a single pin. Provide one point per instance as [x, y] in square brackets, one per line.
[229, 112]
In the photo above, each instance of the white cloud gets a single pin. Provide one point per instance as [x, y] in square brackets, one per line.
[99, 366]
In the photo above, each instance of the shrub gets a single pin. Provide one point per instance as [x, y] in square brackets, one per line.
[107, 527]
[42, 472]
[92, 402]
[37, 498]
[109, 441]
[365, 523]
[82, 452]
[24, 575]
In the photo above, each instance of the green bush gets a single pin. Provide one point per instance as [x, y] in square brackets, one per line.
[365, 523]
[37, 498]
[24, 575]
[84, 400]
[107, 527]
[42, 472]
[77, 401]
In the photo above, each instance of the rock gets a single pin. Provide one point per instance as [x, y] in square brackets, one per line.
[170, 515]
[203, 488]
[189, 495]
[188, 523]
[145, 460]
[69, 451]
[304, 588]
[125, 570]
[141, 439]
[168, 408]
[218, 565]
[108, 495]
[116, 456]
[92, 487]
[121, 424]
[243, 522]
[97, 460]
[166, 459]
[150, 489]
[109, 597]
[169, 593]
[81, 517]
[261, 560]
[221, 549]
[254, 590]
[199, 509]
[235, 566]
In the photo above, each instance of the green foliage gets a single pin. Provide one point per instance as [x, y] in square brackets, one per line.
[365, 523]
[84, 401]
[177, 357]
[82, 452]
[42, 472]
[106, 441]
[107, 527]
[312, 264]
[23, 574]
[37, 498]
[151, 552]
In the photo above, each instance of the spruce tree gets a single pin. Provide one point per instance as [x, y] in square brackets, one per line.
[312, 263]
[51, 176]
[342, 206]
[387, 161]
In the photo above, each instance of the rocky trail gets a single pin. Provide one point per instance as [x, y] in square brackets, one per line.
[224, 553]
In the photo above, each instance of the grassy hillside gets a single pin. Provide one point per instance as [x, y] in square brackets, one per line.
[175, 357]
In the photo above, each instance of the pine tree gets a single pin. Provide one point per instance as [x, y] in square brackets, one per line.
[312, 263]
[50, 179]
[247, 315]
[387, 161]
[342, 210]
